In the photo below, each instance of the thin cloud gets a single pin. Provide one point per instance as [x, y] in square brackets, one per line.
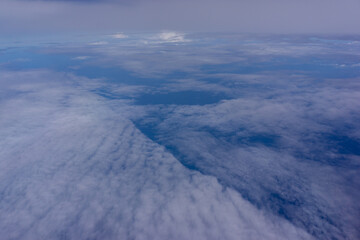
[81, 58]
[172, 37]
[98, 43]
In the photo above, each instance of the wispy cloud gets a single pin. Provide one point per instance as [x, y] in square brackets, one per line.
[81, 58]
[98, 43]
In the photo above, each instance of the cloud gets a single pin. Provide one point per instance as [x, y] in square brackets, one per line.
[81, 58]
[280, 141]
[98, 43]
[73, 167]
[172, 37]
[274, 155]
[279, 151]
[119, 36]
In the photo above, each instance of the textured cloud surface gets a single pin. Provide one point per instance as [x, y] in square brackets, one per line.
[180, 136]
[73, 169]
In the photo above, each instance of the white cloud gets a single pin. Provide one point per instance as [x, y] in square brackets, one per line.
[172, 37]
[73, 167]
[48, 120]
[119, 36]
[98, 43]
[301, 174]
[81, 58]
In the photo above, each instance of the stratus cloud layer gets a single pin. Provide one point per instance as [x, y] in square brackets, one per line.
[280, 16]
[72, 168]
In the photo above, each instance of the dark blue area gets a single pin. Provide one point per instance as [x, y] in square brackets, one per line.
[115, 75]
[26, 59]
[345, 144]
[315, 67]
[180, 98]
[249, 139]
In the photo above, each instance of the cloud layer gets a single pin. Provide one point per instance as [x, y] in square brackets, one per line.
[73, 168]
[275, 155]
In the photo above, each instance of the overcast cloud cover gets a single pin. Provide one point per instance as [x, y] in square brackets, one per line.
[276, 16]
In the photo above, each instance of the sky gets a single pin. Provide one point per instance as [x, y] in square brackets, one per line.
[139, 120]
[19, 17]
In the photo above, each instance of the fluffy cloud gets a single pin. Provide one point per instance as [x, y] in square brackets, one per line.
[290, 154]
[71, 167]
[286, 140]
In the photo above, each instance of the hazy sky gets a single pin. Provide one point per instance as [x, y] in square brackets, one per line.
[277, 16]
